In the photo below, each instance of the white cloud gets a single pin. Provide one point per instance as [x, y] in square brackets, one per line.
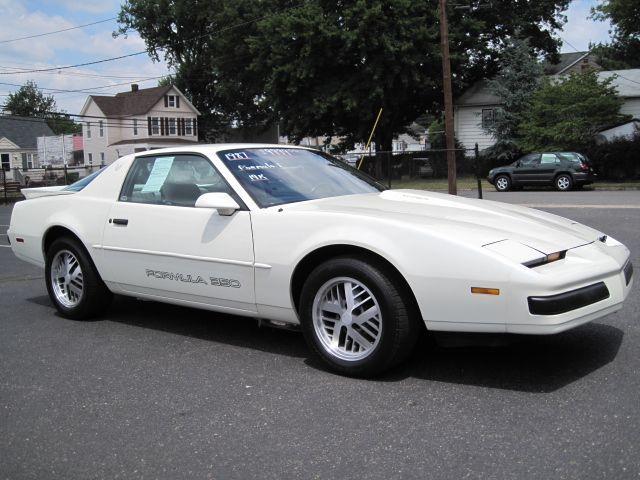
[73, 47]
[581, 30]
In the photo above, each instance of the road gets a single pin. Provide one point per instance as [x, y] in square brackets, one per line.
[156, 391]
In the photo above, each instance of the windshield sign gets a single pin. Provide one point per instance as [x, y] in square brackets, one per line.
[275, 176]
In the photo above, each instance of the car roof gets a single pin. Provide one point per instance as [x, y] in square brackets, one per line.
[216, 147]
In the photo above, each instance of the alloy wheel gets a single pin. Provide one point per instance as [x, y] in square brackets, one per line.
[563, 182]
[67, 279]
[502, 183]
[347, 319]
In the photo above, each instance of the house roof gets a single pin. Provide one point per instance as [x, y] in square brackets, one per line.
[130, 103]
[627, 82]
[478, 94]
[23, 131]
[566, 60]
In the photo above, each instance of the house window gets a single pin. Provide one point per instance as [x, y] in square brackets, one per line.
[135, 127]
[101, 158]
[6, 162]
[90, 158]
[101, 123]
[172, 126]
[188, 127]
[27, 160]
[488, 117]
[155, 126]
[171, 100]
[88, 129]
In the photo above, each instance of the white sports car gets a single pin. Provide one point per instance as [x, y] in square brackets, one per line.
[293, 236]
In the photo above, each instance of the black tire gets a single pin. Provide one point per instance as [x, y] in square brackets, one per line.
[95, 297]
[502, 183]
[563, 182]
[399, 315]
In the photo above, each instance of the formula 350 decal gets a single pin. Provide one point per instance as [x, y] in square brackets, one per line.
[188, 278]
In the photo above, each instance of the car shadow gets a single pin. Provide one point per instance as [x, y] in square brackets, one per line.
[533, 364]
[205, 325]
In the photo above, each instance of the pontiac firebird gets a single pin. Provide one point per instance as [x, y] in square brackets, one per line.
[294, 236]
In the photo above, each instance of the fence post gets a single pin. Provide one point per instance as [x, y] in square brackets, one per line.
[4, 185]
[389, 167]
[477, 152]
[66, 181]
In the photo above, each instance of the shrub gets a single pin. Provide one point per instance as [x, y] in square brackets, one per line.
[617, 160]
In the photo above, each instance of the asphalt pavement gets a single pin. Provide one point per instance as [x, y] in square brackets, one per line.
[156, 391]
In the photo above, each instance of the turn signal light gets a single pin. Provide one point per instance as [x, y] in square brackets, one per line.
[554, 256]
[485, 291]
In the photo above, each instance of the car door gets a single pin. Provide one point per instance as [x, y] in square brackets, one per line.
[526, 168]
[549, 163]
[157, 244]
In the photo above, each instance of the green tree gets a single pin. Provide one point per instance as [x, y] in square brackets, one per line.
[622, 51]
[29, 101]
[566, 114]
[518, 77]
[325, 68]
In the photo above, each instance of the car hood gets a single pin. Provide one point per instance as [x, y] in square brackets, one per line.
[477, 222]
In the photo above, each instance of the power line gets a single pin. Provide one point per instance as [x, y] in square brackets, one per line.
[111, 59]
[85, 90]
[57, 31]
[217, 32]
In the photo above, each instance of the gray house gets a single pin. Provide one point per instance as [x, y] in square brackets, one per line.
[19, 142]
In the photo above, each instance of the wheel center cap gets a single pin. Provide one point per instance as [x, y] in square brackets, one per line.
[346, 318]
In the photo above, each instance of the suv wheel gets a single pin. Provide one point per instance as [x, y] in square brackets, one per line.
[564, 182]
[502, 183]
[355, 317]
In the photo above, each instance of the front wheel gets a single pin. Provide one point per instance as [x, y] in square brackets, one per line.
[563, 182]
[356, 318]
[502, 183]
[73, 283]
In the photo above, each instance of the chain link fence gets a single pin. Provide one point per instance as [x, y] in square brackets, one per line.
[426, 169]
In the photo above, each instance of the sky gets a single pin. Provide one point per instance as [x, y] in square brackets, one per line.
[31, 17]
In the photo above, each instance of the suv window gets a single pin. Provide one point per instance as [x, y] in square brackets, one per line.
[171, 180]
[529, 160]
[549, 158]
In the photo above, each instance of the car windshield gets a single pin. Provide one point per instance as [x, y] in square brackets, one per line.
[275, 176]
[83, 182]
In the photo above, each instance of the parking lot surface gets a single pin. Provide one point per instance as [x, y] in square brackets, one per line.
[157, 391]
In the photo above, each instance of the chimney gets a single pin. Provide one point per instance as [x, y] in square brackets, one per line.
[134, 87]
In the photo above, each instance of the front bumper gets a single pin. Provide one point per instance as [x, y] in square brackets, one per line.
[566, 308]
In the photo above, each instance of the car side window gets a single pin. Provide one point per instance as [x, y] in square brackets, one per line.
[549, 158]
[171, 180]
[529, 160]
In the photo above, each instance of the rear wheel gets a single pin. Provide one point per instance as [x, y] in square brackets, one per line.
[563, 182]
[355, 317]
[502, 183]
[73, 283]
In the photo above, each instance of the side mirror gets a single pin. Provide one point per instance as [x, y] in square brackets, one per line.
[222, 202]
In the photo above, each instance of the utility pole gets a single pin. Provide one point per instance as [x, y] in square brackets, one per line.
[448, 99]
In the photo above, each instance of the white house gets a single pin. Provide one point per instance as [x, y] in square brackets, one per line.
[476, 107]
[135, 121]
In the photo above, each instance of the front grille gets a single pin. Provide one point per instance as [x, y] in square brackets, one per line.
[628, 272]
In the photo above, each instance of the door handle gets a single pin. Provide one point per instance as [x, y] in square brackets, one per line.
[121, 221]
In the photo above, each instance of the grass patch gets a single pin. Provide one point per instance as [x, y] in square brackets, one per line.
[470, 183]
